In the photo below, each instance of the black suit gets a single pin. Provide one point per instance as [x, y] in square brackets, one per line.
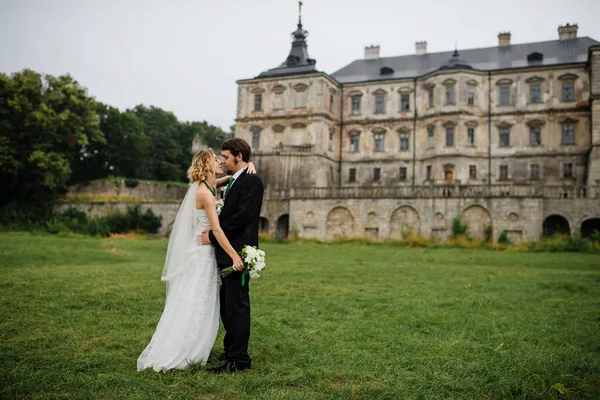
[239, 220]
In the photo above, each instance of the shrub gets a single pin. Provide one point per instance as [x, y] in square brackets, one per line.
[459, 228]
[131, 182]
[503, 238]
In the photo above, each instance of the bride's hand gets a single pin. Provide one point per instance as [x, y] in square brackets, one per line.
[238, 264]
[251, 169]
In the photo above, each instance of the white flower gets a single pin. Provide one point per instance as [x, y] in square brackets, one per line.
[254, 274]
[219, 206]
[251, 252]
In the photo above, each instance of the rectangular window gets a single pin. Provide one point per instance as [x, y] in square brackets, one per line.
[535, 135]
[255, 140]
[471, 137]
[472, 171]
[504, 95]
[534, 171]
[257, 102]
[449, 94]
[354, 143]
[355, 105]
[471, 96]
[568, 89]
[503, 172]
[379, 105]
[428, 172]
[331, 103]
[278, 101]
[504, 137]
[377, 174]
[567, 170]
[449, 137]
[403, 173]
[352, 175]
[405, 102]
[404, 137]
[535, 93]
[430, 137]
[430, 94]
[568, 134]
[378, 142]
[330, 141]
[300, 99]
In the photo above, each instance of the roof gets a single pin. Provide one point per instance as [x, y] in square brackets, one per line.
[555, 52]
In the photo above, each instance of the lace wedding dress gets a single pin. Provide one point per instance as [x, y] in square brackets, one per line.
[189, 323]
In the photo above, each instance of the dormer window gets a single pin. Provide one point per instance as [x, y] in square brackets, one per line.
[535, 56]
[386, 71]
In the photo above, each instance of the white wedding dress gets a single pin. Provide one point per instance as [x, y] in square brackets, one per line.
[189, 323]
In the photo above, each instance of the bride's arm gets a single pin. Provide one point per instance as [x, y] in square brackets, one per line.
[222, 181]
[208, 202]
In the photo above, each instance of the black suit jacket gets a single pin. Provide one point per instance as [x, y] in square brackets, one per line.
[240, 215]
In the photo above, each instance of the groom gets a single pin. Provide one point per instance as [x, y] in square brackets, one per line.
[239, 220]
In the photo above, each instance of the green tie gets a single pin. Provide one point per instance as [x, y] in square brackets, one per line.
[229, 185]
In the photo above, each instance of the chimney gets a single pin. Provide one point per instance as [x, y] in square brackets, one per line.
[421, 48]
[567, 31]
[503, 39]
[372, 52]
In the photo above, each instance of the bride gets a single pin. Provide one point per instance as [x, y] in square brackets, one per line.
[189, 323]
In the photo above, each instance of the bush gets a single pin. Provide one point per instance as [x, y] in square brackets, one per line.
[74, 221]
[131, 182]
[560, 243]
[503, 238]
[459, 228]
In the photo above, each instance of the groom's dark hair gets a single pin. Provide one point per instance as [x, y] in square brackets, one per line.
[237, 146]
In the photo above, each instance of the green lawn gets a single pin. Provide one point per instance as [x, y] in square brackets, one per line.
[337, 321]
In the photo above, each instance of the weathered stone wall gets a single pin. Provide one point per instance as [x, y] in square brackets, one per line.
[383, 219]
[144, 189]
[593, 172]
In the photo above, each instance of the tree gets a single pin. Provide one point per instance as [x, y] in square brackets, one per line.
[123, 154]
[44, 121]
[161, 128]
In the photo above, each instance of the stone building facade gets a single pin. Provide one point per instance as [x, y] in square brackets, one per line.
[506, 136]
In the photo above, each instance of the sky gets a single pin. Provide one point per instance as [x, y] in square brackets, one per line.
[185, 56]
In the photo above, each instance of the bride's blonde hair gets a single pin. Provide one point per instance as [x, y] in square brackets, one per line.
[203, 165]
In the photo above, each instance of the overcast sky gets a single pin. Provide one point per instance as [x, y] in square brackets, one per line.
[186, 55]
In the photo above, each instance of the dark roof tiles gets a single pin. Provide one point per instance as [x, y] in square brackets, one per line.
[491, 58]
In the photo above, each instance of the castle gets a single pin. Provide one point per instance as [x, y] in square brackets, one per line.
[507, 138]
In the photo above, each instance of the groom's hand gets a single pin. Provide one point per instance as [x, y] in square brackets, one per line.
[203, 238]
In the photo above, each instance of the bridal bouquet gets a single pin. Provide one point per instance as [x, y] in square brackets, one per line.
[219, 205]
[254, 263]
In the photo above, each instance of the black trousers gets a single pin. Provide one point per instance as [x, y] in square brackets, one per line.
[235, 315]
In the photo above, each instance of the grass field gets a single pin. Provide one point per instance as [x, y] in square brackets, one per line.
[337, 321]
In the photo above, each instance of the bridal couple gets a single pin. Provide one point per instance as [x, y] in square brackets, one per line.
[201, 244]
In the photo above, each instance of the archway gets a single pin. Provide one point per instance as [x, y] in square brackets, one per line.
[590, 227]
[340, 223]
[283, 226]
[556, 224]
[478, 219]
[404, 221]
[263, 225]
